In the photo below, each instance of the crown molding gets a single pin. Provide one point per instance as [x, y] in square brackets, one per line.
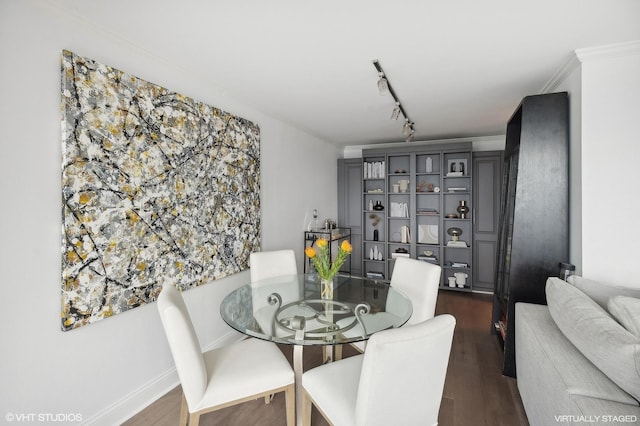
[580, 56]
[567, 68]
[608, 52]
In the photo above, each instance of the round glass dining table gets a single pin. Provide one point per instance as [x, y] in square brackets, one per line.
[290, 310]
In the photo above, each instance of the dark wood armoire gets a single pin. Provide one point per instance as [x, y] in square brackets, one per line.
[533, 233]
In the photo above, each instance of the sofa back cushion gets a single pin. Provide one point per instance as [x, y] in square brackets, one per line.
[627, 311]
[600, 291]
[604, 342]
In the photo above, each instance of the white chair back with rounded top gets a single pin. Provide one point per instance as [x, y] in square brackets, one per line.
[399, 380]
[184, 344]
[269, 264]
[420, 281]
[225, 376]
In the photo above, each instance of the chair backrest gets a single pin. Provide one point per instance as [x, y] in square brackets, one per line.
[403, 373]
[269, 264]
[184, 344]
[420, 282]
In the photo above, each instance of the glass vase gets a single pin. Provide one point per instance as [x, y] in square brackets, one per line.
[326, 288]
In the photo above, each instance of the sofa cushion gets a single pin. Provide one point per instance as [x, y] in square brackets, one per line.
[604, 342]
[601, 291]
[627, 311]
[551, 368]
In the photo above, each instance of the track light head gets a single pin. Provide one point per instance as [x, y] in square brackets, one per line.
[383, 85]
[395, 114]
[407, 129]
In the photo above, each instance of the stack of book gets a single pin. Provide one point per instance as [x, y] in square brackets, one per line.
[426, 211]
[375, 275]
[394, 255]
[425, 258]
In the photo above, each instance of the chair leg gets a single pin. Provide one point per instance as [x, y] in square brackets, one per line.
[306, 408]
[184, 411]
[337, 352]
[290, 404]
[194, 419]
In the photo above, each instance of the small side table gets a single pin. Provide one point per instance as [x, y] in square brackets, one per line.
[335, 237]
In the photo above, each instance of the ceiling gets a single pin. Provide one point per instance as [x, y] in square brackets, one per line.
[459, 67]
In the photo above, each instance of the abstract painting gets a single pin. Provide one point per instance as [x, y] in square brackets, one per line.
[157, 188]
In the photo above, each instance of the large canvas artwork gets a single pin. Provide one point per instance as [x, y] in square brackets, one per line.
[157, 188]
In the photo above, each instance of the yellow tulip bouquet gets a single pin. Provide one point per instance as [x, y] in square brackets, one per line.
[323, 265]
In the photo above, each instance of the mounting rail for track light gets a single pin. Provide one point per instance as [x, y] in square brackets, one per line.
[384, 85]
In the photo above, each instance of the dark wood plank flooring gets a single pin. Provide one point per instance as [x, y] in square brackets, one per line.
[475, 391]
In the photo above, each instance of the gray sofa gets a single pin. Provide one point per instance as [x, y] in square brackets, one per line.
[578, 357]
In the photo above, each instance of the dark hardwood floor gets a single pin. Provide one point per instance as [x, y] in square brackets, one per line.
[475, 392]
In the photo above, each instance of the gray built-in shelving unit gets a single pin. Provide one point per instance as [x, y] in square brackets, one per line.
[416, 218]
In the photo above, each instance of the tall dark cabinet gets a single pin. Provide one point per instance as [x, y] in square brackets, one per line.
[533, 229]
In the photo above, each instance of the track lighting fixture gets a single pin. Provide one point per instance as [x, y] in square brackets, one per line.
[396, 112]
[407, 129]
[384, 86]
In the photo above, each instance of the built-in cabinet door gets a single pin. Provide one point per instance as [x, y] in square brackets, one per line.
[487, 185]
[350, 206]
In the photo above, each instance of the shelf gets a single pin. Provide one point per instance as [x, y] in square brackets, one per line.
[424, 168]
[334, 234]
[461, 289]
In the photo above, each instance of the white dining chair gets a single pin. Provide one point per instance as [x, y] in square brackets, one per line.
[225, 376]
[399, 380]
[418, 280]
[269, 264]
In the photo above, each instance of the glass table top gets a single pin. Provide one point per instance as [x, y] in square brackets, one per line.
[290, 310]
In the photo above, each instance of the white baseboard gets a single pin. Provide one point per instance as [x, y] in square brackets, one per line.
[137, 400]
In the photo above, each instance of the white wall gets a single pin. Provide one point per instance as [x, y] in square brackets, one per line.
[604, 87]
[106, 371]
[610, 169]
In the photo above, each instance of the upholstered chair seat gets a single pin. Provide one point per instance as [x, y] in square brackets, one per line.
[224, 376]
[399, 380]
